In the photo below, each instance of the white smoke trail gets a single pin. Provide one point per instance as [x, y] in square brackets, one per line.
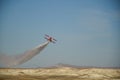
[8, 61]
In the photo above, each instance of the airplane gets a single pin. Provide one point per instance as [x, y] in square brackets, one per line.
[49, 38]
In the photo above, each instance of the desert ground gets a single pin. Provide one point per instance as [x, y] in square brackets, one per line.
[59, 73]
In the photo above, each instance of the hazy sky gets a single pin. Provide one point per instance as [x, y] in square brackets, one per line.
[87, 31]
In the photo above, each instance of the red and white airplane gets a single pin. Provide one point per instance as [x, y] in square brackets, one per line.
[49, 38]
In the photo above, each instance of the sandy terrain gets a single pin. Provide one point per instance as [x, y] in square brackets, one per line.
[60, 73]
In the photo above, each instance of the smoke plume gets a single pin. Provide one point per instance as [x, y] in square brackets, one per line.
[8, 61]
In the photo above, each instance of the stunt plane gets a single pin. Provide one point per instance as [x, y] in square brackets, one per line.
[9, 61]
[49, 38]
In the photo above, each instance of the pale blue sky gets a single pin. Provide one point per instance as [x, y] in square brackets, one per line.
[87, 31]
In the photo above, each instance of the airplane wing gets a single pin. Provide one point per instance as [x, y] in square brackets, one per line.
[54, 39]
[46, 35]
